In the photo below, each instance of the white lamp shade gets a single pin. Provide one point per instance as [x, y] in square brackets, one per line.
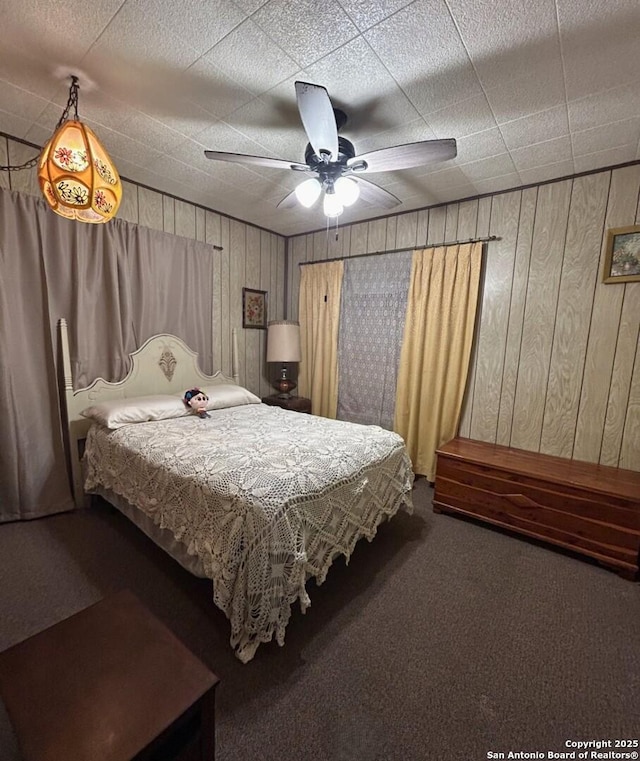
[332, 206]
[347, 190]
[283, 341]
[307, 192]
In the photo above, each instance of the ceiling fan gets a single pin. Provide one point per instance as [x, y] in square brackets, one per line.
[331, 159]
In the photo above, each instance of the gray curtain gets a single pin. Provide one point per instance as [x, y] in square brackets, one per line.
[116, 284]
[372, 314]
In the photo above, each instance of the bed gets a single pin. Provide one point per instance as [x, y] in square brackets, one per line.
[254, 497]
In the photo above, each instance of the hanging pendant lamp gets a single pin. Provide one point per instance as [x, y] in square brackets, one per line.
[76, 176]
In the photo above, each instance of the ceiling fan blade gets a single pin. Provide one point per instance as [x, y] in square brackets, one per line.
[374, 195]
[289, 201]
[318, 119]
[242, 158]
[405, 156]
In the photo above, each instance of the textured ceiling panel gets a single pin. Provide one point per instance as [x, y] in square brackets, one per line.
[530, 91]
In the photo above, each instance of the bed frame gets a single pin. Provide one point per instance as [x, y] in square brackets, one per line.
[164, 364]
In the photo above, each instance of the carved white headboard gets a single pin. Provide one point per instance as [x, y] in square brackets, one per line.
[164, 364]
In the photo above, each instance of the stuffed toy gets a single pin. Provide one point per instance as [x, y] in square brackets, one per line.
[197, 401]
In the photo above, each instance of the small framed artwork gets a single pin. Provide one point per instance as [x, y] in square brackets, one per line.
[622, 255]
[254, 309]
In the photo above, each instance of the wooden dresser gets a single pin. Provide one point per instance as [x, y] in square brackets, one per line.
[590, 509]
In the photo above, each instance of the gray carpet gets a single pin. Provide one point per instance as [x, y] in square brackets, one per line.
[442, 639]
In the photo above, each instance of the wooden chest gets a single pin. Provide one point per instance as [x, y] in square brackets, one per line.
[590, 509]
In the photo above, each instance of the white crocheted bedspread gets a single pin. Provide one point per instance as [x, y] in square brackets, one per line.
[264, 497]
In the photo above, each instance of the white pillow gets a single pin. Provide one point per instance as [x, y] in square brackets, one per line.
[137, 409]
[228, 395]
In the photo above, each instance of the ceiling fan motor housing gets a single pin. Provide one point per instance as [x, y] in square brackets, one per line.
[327, 169]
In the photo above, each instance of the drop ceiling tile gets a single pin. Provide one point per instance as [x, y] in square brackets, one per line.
[306, 29]
[264, 67]
[448, 177]
[412, 132]
[547, 172]
[508, 40]
[455, 193]
[625, 132]
[363, 88]
[404, 185]
[422, 49]
[273, 121]
[125, 54]
[267, 187]
[535, 128]
[17, 126]
[20, 102]
[35, 134]
[496, 184]
[527, 95]
[135, 173]
[178, 171]
[601, 48]
[99, 111]
[117, 144]
[192, 121]
[204, 23]
[480, 146]
[367, 13]
[100, 108]
[219, 136]
[147, 130]
[29, 74]
[594, 110]
[611, 157]
[250, 6]
[463, 118]
[212, 90]
[192, 154]
[61, 33]
[541, 154]
[485, 169]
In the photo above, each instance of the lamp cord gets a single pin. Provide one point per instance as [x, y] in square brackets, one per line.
[71, 101]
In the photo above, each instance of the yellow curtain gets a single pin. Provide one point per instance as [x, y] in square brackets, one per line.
[319, 314]
[436, 347]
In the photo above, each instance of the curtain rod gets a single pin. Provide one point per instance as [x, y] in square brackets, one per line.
[486, 239]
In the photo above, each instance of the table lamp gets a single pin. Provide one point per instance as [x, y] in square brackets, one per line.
[283, 345]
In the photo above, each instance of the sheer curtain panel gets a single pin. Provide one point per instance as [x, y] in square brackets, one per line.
[374, 303]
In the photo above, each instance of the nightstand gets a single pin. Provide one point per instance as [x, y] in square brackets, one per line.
[296, 403]
[110, 683]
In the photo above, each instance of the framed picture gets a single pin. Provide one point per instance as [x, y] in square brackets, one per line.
[254, 309]
[622, 256]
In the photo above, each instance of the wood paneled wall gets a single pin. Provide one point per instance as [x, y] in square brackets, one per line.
[556, 360]
[251, 258]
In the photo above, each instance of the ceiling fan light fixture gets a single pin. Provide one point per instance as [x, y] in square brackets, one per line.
[332, 206]
[347, 190]
[308, 192]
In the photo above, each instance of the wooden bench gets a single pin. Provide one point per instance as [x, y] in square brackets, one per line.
[110, 683]
[590, 509]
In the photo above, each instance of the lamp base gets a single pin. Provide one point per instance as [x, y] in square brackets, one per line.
[284, 385]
